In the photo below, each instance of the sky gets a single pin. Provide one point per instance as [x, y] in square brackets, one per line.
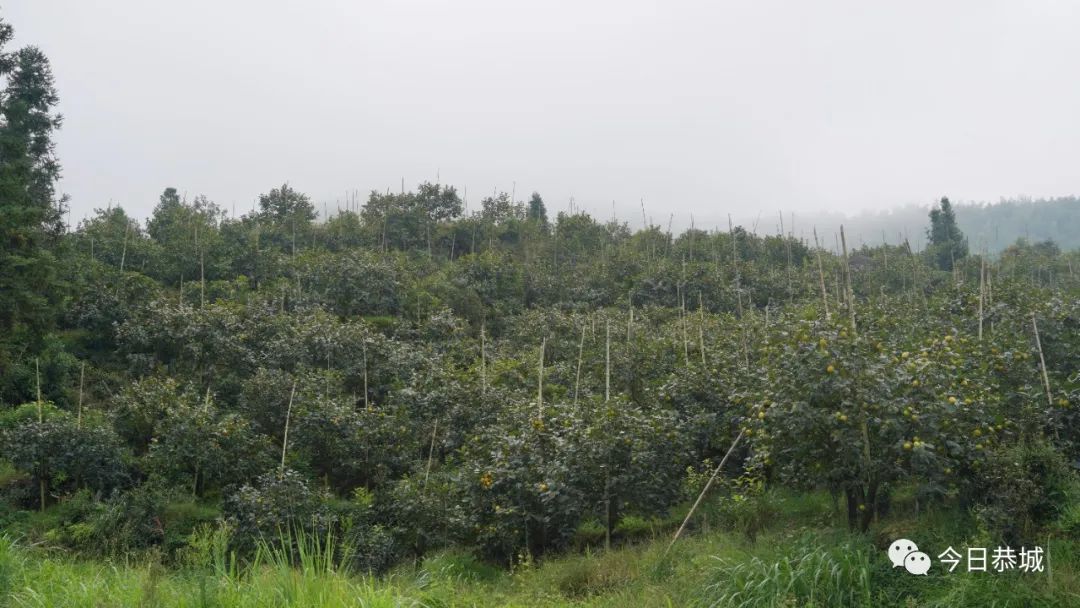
[688, 108]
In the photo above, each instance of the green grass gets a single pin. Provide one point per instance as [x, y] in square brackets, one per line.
[804, 557]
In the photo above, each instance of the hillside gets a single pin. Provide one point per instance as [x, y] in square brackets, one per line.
[411, 404]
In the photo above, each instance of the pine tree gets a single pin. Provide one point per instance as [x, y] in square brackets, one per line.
[947, 244]
[31, 216]
[537, 210]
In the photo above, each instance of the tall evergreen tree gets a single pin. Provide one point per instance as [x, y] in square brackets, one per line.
[31, 216]
[947, 244]
[537, 210]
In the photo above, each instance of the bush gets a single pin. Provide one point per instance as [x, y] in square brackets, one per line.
[274, 504]
[422, 512]
[1022, 488]
[63, 455]
[124, 523]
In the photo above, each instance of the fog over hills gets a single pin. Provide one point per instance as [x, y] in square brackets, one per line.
[989, 226]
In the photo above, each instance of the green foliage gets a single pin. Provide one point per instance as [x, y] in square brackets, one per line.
[532, 477]
[409, 220]
[947, 245]
[1023, 488]
[335, 442]
[807, 575]
[61, 454]
[276, 503]
[354, 283]
[537, 210]
[31, 216]
[190, 245]
[200, 448]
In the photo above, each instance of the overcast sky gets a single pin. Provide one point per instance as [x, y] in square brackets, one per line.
[697, 107]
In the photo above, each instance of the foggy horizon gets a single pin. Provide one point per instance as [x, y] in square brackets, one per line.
[696, 109]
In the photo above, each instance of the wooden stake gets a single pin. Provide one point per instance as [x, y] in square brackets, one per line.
[1042, 362]
[738, 291]
[982, 293]
[483, 360]
[607, 361]
[701, 329]
[37, 378]
[701, 496]
[847, 280]
[735, 264]
[821, 277]
[123, 254]
[41, 419]
[540, 382]
[82, 375]
[202, 275]
[682, 323]
[367, 405]
[580, 351]
[431, 452]
[285, 438]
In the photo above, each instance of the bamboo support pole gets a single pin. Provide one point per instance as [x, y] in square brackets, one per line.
[1042, 362]
[821, 277]
[540, 382]
[285, 437]
[580, 353]
[847, 280]
[704, 490]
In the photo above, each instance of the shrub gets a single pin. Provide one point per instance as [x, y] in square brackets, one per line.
[123, 523]
[1023, 487]
[529, 481]
[62, 455]
[274, 504]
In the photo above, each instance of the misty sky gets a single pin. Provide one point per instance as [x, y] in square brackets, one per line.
[697, 107]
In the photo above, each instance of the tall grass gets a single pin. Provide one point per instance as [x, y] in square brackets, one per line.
[296, 570]
[798, 561]
[810, 575]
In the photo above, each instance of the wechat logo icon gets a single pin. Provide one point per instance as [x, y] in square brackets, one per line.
[905, 553]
